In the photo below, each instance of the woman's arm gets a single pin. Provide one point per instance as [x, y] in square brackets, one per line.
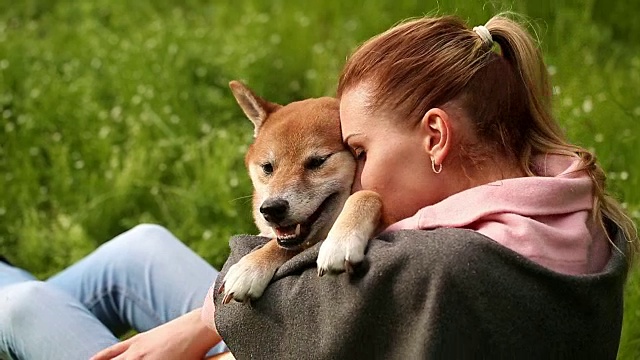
[185, 337]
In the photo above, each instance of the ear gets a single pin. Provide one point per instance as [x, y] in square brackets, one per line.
[256, 108]
[436, 125]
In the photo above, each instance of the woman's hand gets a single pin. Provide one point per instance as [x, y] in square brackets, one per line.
[186, 337]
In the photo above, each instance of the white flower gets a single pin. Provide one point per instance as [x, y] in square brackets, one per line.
[599, 137]
[587, 105]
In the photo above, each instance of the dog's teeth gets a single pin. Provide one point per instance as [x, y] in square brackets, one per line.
[298, 230]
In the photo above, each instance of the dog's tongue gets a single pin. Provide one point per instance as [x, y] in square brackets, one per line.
[288, 231]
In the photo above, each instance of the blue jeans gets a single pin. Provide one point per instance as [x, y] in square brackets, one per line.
[140, 279]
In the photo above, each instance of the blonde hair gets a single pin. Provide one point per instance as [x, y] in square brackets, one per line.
[504, 90]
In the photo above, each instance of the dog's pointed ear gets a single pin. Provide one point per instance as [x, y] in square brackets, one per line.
[256, 108]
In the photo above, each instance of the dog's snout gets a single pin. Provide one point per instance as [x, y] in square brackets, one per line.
[274, 210]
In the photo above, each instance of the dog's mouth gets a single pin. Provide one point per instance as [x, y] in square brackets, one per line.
[293, 236]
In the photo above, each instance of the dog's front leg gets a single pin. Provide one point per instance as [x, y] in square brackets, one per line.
[348, 238]
[248, 278]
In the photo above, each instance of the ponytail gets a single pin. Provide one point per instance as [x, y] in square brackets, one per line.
[545, 136]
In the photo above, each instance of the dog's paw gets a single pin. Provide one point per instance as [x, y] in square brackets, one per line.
[246, 281]
[340, 253]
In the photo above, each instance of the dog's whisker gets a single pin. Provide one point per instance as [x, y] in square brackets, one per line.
[241, 198]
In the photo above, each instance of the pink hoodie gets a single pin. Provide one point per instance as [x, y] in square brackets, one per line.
[545, 218]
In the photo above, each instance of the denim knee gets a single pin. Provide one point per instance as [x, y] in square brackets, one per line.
[140, 237]
[137, 246]
[21, 305]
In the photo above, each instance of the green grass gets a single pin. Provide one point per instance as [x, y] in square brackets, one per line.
[117, 112]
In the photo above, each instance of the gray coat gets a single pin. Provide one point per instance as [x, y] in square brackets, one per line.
[441, 294]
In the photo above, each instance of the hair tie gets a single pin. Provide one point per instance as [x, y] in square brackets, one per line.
[484, 34]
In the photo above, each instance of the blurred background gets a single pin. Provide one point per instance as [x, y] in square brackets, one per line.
[116, 112]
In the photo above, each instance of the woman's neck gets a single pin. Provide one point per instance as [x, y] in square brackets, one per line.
[490, 171]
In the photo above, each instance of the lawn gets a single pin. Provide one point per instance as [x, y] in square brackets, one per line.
[116, 112]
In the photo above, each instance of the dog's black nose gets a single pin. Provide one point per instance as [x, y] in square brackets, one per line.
[274, 210]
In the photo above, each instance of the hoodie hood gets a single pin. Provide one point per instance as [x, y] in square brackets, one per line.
[546, 218]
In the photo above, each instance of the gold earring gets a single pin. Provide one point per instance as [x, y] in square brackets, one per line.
[433, 166]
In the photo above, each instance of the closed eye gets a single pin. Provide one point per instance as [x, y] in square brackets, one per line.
[315, 162]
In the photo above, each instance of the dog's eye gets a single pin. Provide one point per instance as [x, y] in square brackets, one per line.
[315, 162]
[267, 168]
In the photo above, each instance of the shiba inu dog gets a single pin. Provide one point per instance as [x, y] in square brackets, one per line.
[302, 175]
